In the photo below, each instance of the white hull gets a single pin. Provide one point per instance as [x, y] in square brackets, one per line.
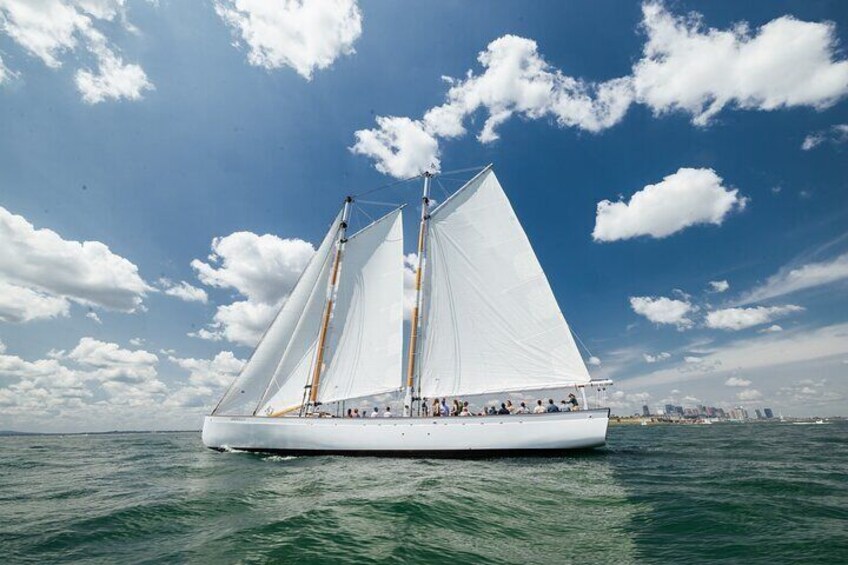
[455, 437]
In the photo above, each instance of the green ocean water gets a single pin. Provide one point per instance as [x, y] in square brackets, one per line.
[727, 493]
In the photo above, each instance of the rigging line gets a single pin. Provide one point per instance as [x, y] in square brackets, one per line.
[387, 185]
[580, 341]
[477, 168]
[378, 203]
[361, 209]
[443, 189]
[454, 180]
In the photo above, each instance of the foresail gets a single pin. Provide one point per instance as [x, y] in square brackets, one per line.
[247, 390]
[491, 322]
[364, 346]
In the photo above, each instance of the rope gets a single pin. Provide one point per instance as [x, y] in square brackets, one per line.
[376, 203]
[580, 341]
[361, 209]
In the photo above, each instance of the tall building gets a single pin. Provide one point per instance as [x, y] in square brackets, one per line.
[645, 410]
[769, 414]
[669, 409]
[759, 414]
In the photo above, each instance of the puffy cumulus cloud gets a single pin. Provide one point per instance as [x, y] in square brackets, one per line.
[594, 361]
[688, 67]
[516, 80]
[772, 329]
[302, 34]
[40, 272]
[93, 317]
[207, 380]
[5, 74]
[49, 29]
[686, 198]
[684, 67]
[664, 310]
[835, 134]
[719, 286]
[400, 147]
[183, 291]
[120, 371]
[264, 269]
[656, 358]
[793, 279]
[736, 381]
[749, 395]
[21, 304]
[741, 318]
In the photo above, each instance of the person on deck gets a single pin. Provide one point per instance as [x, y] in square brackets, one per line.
[491, 411]
[356, 413]
[349, 413]
[437, 408]
[503, 411]
[465, 411]
[539, 409]
[444, 409]
[522, 409]
[564, 406]
[388, 412]
[510, 407]
[375, 413]
[573, 401]
[551, 406]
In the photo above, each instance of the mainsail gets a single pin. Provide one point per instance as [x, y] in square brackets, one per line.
[280, 342]
[364, 347]
[491, 323]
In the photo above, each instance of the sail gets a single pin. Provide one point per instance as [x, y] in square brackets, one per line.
[491, 323]
[247, 390]
[364, 347]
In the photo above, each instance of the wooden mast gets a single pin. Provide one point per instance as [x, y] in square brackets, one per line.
[328, 309]
[416, 316]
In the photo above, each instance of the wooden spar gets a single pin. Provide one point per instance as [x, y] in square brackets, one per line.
[416, 319]
[328, 309]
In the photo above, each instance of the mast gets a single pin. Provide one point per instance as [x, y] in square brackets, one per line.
[416, 320]
[328, 309]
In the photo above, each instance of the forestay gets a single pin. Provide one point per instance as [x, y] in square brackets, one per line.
[247, 390]
[364, 346]
[491, 323]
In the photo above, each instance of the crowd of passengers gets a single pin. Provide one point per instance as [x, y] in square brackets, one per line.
[459, 408]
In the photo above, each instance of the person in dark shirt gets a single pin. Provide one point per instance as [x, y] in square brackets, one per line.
[573, 401]
[504, 411]
[551, 406]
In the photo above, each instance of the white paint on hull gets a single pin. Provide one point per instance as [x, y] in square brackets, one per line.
[406, 436]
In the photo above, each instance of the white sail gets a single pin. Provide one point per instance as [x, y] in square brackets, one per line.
[247, 390]
[491, 323]
[363, 354]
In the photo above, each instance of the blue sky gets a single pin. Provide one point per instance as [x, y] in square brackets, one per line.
[154, 128]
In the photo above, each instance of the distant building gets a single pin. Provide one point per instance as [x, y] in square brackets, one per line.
[669, 409]
[759, 414]
[769, 414]
[645, 410]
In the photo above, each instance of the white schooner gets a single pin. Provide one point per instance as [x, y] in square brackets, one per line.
[485, 322]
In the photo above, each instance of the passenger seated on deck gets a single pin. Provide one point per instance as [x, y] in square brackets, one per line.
[510, 407]
[437, 408]
[564, 406]
[388, 412]
[349, 413]
[503, 411]
[573, 401]
[551, 406]
[464, 411]
[539, 409]
[456, 408]
[491, 411]
[522, 409]
[375, 413]
[356, 413]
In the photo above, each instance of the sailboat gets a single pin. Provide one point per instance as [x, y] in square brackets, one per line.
[485, 322]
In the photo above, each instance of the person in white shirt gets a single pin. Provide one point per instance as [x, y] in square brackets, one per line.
[375, 413]
[522, 409]
[388, 412]
[539, 409]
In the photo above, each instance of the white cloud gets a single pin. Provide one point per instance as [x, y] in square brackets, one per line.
[736, 381]
[663, 310]
[410, 267]
[263, 268]
[686, 198]
[401, 147]
[49, 29]
[684, 67]
[741, 318]
[5, 73]
[656, 358]
[719, 286]
[593, 361]
[184, 291]
[698, 70]
[93, 317]
[302, 34]
[693, 360]
[137, 341]
[793, 279]
[42, 272]
[207, 379]
[835, 134]
[749, 395]
[21, 304]
[772, 329]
